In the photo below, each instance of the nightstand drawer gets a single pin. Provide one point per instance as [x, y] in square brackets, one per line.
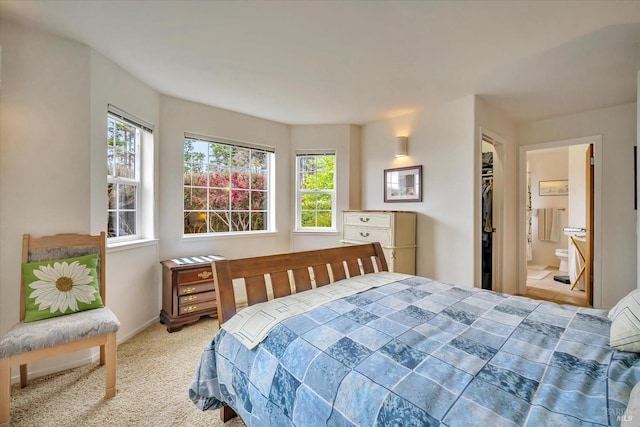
[195, 275]
[201, 297]
[365, 234]
[366, 219]
[192, 308]
[195, 288]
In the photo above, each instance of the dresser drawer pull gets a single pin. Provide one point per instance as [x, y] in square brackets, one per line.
[189, 290]
[191, 308]
[205, 274]
[364, 234]
[191, 298]
[364, 218]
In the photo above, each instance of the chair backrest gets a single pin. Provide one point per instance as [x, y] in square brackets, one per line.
[60, 246]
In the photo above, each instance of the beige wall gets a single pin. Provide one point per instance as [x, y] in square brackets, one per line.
[441, 140]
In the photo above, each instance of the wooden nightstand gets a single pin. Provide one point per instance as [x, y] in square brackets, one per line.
[188, 291]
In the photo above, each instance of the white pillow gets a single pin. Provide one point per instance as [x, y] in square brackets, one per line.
[631, 415]
[625, 323]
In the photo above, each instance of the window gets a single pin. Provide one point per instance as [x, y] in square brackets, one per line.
[226, 186]
[124, 154]
[316, 194]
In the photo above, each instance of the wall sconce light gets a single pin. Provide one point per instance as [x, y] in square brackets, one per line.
[400, 146]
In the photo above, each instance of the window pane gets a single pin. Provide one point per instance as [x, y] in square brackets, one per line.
[308, 218]
[126, 196]
[258, 181]
[112, 225]
[308, 201]
[239, 179]
[240, 158]
[219, 178]
[324, 174]
[258, 161]
[240, 221]
[324, 219]
[324, 202]
[258, 200]
[219, 222]
[218, 199]
[111, 196]
[239, 200]
[195, 222]
[258, 221]
[127, 224]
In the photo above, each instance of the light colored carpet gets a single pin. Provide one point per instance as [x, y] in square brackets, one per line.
[153, 377]
[537, 275]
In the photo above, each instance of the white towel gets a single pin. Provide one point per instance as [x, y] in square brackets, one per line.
[548, 225]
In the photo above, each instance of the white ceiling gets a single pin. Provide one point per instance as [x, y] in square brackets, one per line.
[312, 62]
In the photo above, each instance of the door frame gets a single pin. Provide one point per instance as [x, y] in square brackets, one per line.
[596, 140]
[498, 210]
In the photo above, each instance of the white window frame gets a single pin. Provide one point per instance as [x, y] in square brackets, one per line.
[269, 211]
[299, 192]
[143, 131]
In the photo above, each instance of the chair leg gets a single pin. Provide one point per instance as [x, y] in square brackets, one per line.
[23, 375]
[110, 353]
[102, 355]
[5, 392]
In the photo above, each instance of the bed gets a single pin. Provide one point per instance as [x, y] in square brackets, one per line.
[401, 351]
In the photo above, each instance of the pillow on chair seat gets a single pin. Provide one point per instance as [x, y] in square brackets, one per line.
[24, 337]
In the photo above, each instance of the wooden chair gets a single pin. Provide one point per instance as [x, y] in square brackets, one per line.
[28, 342]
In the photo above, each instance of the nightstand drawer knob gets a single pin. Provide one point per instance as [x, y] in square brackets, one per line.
[364, 218]
[191, 298]
[364, 234]
[189, 290]
[205, 274]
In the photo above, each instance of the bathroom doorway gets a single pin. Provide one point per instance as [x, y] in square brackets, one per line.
[558, 221]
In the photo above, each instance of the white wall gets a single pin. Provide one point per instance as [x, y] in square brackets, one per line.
[549, 165]
[53, 167]
[617, 125]
[179, 116]
[441, 139]
[44, 155]
[133, 271]
[577, 204]
[345, 140]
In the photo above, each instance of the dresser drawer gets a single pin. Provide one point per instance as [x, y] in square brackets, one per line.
[195, 288]
[192, 308]
[366, 219]
[195, 275]
[201, 297]
[367, 234]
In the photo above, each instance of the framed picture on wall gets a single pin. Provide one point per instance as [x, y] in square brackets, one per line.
[553, 188]
[403, 184]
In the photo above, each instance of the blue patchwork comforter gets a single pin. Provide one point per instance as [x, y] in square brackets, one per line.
[420, 353]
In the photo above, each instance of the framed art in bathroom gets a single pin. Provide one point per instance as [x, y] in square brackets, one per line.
[553, 188]
[403, 184]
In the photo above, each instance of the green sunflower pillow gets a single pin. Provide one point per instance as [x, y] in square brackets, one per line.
[59, 287]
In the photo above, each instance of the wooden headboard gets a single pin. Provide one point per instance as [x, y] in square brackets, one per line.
[327, 265]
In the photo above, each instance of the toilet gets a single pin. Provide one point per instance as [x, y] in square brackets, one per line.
[563, 256]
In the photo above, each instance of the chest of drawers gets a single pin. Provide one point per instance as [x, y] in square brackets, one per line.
[188, 291]
[395, 230]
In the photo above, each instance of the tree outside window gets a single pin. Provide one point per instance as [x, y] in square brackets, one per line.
[123, 178]
[316, 191]
[225, 187]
